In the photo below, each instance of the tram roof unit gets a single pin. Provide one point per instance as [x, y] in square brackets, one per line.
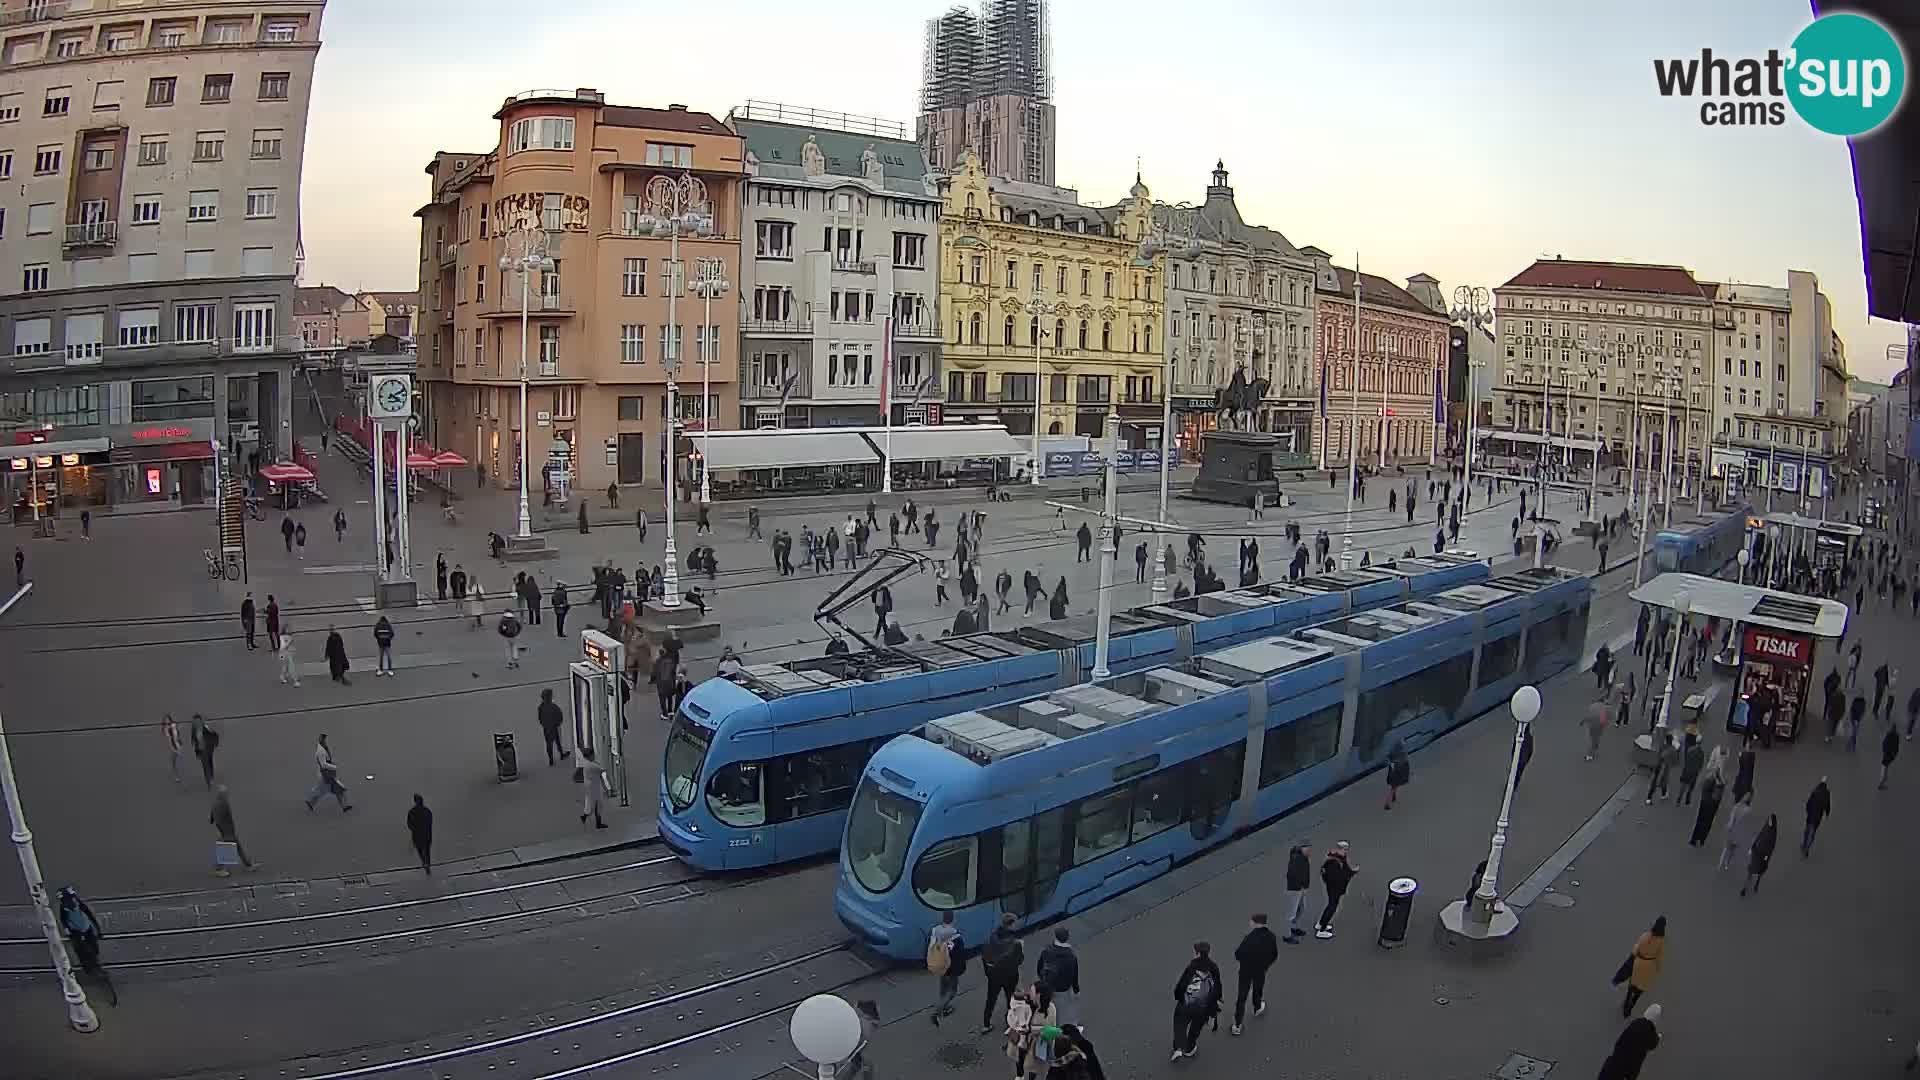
[984, 736]
[1747, 603]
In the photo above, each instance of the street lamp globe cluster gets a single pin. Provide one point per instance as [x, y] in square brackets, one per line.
[1473, 308]
[1172, 231]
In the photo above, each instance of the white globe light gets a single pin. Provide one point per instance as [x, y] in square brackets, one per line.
[1745, 556]
[825, 1029]
[1525, 704]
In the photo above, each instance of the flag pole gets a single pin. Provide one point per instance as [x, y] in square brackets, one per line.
[886, 405]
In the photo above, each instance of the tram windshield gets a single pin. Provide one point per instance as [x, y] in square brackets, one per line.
[878, 832]
[686, 751]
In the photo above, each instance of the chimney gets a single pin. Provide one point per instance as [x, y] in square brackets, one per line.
[676, 108]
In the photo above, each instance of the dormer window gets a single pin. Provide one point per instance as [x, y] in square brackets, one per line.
[1033, 219]
[1076, 224]
[1057, 219]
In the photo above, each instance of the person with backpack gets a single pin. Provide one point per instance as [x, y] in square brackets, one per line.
[1254, 955]
[1336, 873]
[1399, 771]
[83, 932]
[1196, 999]
[510, 630]
[1000, 960]
[1032, 1041]
[1059, 973]
[946, 962]
[383, 641]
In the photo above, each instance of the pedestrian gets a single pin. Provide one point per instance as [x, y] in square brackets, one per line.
[703, 523]
[1140, 565]
[666, 669]
[1761, 854]
[440, 574]
[300, 539]
[1399, 771]
[1058, 971]
[339, 526]
[1602, 666]
[289, 667]
[383, 641]
[1692, 761]
[594, 790]
[1819, 805]
[170, 731]
[753, 524]
[225, 833]
[1299, 881]
[1526, 755]
[458, 581]
[1003, 584]
[1253, 956]
[940, 576]
[582, 524]
[1856, 718]
[273, 623]
[509, 628]
[1597, 720]
[336, 653]
[1710, 790]
[1630, 1050]
[1667, 749]
[420, 829]
[1737, 828]
[640, 523]
[946, 962]
[561, 605]
[613, 497]
[204, 738]
[1084, 536]
[550, 719]
[1196, 999]
[1743, 774]
[327, 781]
[1000, 961]
[86, 524]
[1074, 1058]
[476, 601]
[1057, 607]
[286, 536]
[1642, 966]
[1336, 873]
[1889, 749]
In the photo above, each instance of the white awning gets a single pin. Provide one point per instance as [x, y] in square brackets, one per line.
[55, 449]
[1747, 603]
[797, 448]
[1586, 445]
[950, 441]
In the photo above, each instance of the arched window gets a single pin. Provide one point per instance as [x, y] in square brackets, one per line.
[1033, 331]
[1148, 338]
[969, 200]
[1083, 333]
[1106, 336]
[1006, 334]
[1059, 332]
[976, 334]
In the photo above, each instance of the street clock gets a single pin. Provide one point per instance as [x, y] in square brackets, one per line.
[390, 397]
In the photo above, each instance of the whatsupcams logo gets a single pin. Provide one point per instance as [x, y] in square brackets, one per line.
[1845, 74]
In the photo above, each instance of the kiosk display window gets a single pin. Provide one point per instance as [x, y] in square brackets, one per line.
[1775, 669]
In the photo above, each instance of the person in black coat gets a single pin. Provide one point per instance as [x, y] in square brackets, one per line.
[1761, 855]
[1819, 805]
[337, 657]
[420, 828]
[246, 619]
[1709, 806]
[1743, 775]
[1057, 607]
[1630, 1050]
[1254, 955]
[1196, 1000]
[1085, 538]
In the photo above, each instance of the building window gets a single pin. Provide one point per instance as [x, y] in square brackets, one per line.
[633, 345]
[633, 277]
[273, 86]
[203, 205]
[33, 277]
[910, 252]
[139, 327]
[773, 239]
[193, 323]
[253, 326]
[1006, 333]
[266, 147]
[46, 161]
[630, 408]
[540, 133]
[670, 345]
[153, 149]
[209, 146]
[106, 95]
[146, 209]
[58, 99]
[260, 204]
[32, 337]
[549, 351]
[1086, 283]
[97, 157]
[672, 155]
[216, 89]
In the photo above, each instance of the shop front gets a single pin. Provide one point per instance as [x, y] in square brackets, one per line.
[1192, 417]
[1775, 669]
[153, 465]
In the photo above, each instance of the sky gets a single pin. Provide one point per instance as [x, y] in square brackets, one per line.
[1461, 140]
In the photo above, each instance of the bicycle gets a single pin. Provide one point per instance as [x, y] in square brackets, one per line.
[218, 567]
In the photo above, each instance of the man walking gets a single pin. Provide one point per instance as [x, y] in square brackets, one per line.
[1000, 960]
[339, 526]
[561, 605]
[170, 731]
[289, 669]
[205, 739]
[1255, 954]
[273, 623]
[1059, 972]
[420, 829]
[440, 574]
[224, 831]
[947, 960]
[510, 631]
[1084, 536]
[1299, 880]
[1336, 873]
[1196, 999]
[246, 619]
[1889, 749]
[383, 641]
[1819, 805]
[550, 721]
[328, 782]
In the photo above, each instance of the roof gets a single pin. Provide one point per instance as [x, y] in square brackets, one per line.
[780, 144]
[1675, 281]
[321, 300]
[392, 300]
[1376, 292]
[1220, 221]
[673, 118]
[1750, 604]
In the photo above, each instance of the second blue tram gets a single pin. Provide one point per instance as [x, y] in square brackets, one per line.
[1046, 806]
[1700, 545]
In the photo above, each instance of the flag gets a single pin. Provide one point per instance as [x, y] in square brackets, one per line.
[886, 370]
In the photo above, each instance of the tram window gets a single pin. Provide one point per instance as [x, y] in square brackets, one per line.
[1550, 640]
[1101, 825]
[878, 832]
[1499, 658]
[815, 781]
[1213, 782]
[943, 878]
[1049, 850]
[1016, 852]
[1158, 803]
[1299, 744]
[734, 795]
[1437, 688]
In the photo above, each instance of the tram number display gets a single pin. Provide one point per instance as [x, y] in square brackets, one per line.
[1780, 647]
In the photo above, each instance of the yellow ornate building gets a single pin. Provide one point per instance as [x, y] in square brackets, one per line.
[1037, 289]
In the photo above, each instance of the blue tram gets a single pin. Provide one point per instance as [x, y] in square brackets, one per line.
[1046, 806]
[1700, 545]
[759, 767]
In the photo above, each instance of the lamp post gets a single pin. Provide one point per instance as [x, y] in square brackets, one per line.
[1037, 307]
[1634, 430]
[1593, 475]
[1353, 422]
[530, 256]
[826, 1031]
[1666, 450]
[674, 203]
[1171, 232]
[1684, 605]
[1525, 704]
[709, 283]
[1109, 547]
[1473, 307]
[1706, 451]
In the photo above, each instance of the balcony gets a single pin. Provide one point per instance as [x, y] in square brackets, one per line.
[506, 305]
[1200, 389]
[28, 11]
[847, 264]
[448, 254]
[91, 234]
[776, 328]
[927, 330]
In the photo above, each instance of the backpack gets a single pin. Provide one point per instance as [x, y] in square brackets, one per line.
[939, 958]
[76, 921]
[509, 626]
[1198, 994]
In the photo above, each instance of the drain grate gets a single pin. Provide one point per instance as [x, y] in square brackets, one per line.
[1522, 1067]
[959, 1055]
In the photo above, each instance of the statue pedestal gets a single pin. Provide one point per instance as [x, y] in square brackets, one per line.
[1236, 465]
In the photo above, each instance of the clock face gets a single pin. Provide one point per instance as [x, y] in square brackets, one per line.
[392, 396]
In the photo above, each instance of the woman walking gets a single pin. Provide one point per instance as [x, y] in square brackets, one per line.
[1761, 855]
[1743, 775]
[1711, 787]
[1399, 771]
[1737, 829]
[1642, 967]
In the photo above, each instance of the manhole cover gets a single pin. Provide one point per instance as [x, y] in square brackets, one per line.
[1522, 1067]
[959, 1055]
[1559, 900]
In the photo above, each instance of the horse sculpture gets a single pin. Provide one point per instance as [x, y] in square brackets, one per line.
[1235, 405]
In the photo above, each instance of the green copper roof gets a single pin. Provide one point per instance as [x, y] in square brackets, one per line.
[779, 144]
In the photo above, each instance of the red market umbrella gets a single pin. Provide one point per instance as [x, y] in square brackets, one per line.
[447, 459]
[417, 460]
[284, 473]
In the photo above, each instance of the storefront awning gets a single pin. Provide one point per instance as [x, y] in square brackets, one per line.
[55, 449]
[794, 448]
[948, 442]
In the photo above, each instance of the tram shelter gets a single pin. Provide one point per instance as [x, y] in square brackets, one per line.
[1824, 543]
[1778, 636]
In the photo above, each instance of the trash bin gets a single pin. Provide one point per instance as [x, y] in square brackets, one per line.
[1399, 910]
[506, 763]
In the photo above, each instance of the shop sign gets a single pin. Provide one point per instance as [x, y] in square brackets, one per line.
[160, 434]
[1777, 646]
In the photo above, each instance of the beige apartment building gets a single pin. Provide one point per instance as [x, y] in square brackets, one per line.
[150, 155]
[583, 182]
